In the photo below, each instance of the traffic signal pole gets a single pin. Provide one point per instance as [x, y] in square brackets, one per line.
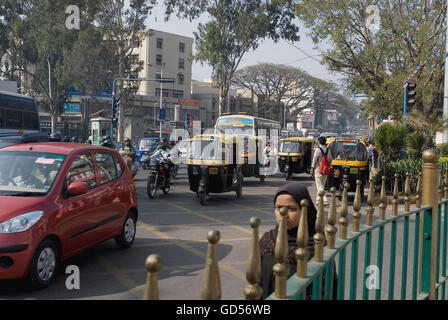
[161, 80]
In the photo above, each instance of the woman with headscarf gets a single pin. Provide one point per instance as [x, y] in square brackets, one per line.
[288, 195]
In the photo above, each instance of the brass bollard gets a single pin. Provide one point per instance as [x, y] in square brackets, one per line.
[370, 202]
[383, 199]
[357, 207]
[281, 271]
[429, 197]
[211, 283]
[343, 222]
[153, 264]
[253, 291]
[330, 230]
[395, 197]
[319, 238]
[407, 193]
[302, 253]
[440, 185]
[418, 191]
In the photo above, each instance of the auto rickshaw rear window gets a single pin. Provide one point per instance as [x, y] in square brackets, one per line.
[348, 151]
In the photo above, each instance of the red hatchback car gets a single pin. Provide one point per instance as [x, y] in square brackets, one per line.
[58, 199]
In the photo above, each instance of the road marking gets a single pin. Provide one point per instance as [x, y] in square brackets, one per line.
[271, 213]
[246, 230]
[170, 243]
[194, 251]
[127, 282]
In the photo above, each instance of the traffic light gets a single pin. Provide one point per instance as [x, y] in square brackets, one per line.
[116, 110]
[410, 94]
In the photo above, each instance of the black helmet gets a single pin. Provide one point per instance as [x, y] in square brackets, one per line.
[66, 139]
[55, 137]
[107, 143]
[127, 140]
[75, 139]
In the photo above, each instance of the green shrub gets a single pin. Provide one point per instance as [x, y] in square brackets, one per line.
[414, 154]
[415, 141]
[443, 149]
[390, 140]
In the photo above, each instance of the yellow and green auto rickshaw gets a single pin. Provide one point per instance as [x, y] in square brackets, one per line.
[295, 155]
[212, 166]
[350, 163]
[251, 155]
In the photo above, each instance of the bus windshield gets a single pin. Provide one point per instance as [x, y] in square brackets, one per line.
[235, 125]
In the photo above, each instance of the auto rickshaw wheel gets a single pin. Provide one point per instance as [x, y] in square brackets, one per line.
[239, 191]
[202, 197]
[262, 178]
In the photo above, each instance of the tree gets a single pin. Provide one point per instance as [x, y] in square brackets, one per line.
[39, 53]
[235, 28]
[123, 27]
[377, 63]
[277, 86]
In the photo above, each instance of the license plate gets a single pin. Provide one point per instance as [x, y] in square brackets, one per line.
[146, 149]
[213, 170]
[294, 159]
[353, 170]
[283, 158]
[195, 171]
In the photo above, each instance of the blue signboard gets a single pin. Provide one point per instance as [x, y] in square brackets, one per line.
[162, 115]
[72, 108]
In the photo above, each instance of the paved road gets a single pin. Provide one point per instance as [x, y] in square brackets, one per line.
[175, 226]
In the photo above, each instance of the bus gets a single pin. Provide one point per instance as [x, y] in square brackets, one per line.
[246, 125]
[18, 114]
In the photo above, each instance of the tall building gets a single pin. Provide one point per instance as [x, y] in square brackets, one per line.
[165, 55]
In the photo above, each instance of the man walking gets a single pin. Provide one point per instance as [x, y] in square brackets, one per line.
[320, 178]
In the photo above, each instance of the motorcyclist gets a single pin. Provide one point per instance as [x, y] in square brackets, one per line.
[55, 137]
[128, 150]
[162, 153]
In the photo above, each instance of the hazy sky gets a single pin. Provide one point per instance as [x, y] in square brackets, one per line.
[268, 51]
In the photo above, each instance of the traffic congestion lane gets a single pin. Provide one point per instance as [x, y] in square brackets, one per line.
[175, 226]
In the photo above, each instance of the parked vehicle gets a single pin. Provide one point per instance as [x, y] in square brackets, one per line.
[208, 169]
[56, 202]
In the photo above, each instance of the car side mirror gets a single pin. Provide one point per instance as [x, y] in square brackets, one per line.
[77, 188]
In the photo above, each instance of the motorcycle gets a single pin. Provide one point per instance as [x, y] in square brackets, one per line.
[130, 162]
[159, 177]
[145, 160]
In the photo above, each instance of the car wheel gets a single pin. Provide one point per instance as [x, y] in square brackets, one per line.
[127, 236]
[44, 264]
[151, 186]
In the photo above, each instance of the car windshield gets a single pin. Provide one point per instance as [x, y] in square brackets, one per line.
[291, 146]
[348, 150]
[147, 143]
[26, 173]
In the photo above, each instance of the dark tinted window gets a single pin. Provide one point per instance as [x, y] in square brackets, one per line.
[13, 102]
[30, 121]
[13, 119]
[118, 165]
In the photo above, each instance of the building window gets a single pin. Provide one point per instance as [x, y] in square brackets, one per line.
[166, 92]
[181, 63]
[159, 59]
[181, 47]
[159, 43]
[178, 94]
[180, 79]
[158, 75]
